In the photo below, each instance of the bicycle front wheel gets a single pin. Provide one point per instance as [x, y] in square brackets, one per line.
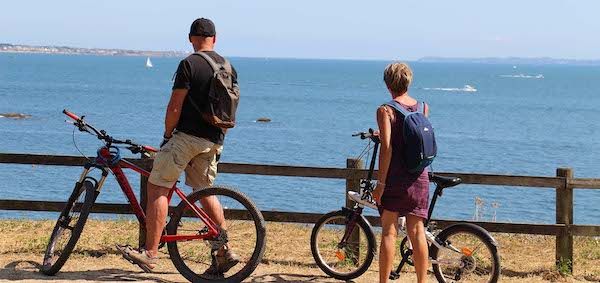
[339, 258]
[470, 254]
[69, 226]
[245, 236]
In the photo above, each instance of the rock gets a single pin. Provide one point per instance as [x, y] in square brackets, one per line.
[14, 115]
[263, 120]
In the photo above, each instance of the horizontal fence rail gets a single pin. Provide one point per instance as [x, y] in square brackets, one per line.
[563, 184]
[307, 218]
[303, 171]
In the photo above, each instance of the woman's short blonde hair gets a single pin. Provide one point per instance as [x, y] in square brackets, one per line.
[397, 77]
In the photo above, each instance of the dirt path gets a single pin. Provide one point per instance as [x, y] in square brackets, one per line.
[112, 268]
[287, 258]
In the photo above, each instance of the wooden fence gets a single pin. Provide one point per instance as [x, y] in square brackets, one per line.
[563, 183]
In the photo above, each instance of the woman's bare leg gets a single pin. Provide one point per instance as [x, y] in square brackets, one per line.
[416, 234]
[389, 224]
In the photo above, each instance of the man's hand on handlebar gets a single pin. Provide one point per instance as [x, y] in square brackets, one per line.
[164, 141]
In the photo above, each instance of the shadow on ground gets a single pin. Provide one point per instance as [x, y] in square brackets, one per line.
[290, 278]
[29, 270]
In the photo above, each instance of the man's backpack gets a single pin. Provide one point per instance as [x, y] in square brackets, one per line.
[419, 141]
[223, 95]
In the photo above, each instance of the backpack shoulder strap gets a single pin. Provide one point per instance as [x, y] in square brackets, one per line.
[213, 64]
[421, 107]
[394, 104]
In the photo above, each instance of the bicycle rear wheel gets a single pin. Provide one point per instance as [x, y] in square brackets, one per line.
[69, 226]
[245, 236]
[342, 260]
[470, 255]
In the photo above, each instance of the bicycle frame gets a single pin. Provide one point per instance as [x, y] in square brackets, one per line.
[107, 160]
[351, 245]
[368, 187]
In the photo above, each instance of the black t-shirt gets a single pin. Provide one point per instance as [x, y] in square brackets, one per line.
[194, 74]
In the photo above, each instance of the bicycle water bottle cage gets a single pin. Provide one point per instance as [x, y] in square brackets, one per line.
[112, 151]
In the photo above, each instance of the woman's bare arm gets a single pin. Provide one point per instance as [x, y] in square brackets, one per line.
[385, 151]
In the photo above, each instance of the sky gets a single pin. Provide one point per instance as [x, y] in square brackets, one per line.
[334, 29]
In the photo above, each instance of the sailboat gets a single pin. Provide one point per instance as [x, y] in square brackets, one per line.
[148, 63]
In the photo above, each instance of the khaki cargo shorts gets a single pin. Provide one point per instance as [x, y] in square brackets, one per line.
[197, 156]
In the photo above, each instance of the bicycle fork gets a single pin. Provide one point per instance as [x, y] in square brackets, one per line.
[64, 218]
[350, 224]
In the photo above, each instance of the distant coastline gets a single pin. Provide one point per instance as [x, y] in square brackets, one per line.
[512, 61]
[66, 50]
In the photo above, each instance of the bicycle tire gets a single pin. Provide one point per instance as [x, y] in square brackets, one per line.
[468, 259]
[256, 220]
[51, 263]
[319, 258]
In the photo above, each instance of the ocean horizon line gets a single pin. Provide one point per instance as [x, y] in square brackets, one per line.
[71, 50]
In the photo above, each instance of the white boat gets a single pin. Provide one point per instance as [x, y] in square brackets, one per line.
[524, 76]
[148, 63]
[466, 88]
[469, 88]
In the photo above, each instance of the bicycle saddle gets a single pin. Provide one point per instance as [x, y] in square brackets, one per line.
[445, 182]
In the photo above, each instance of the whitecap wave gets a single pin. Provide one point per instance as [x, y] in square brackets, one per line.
[524, 76]
[466, 88]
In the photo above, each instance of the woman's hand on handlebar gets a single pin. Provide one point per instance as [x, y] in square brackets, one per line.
[371, 134]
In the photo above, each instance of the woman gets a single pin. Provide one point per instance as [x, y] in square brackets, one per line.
[398, 192]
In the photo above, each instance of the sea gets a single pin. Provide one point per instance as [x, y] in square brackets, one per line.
[488, 118]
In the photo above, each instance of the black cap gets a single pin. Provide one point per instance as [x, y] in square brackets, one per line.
[203, 27]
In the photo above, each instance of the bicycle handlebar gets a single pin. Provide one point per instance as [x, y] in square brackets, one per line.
[101, 135]
[371, 134]
[71, 115]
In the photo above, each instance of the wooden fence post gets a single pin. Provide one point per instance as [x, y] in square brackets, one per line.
[564, 215]
[353, 184]
[143, 201]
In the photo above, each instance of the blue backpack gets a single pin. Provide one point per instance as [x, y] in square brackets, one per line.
[419, 141]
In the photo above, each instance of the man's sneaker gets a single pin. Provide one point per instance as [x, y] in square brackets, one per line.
[141, 258]
[222, 264]
[365, 202]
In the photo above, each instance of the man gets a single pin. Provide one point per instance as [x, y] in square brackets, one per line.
[191, 144]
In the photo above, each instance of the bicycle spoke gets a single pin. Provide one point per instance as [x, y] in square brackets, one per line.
[344, 259]
[66, 232]
[235, 245]
[458, 261]
[453, 248]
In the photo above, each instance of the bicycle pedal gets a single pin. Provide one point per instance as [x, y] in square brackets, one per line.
[394, 275]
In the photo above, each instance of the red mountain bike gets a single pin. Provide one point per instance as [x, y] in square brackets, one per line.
[191, 236]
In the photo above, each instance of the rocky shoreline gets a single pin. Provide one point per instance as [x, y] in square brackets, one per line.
[14, 115]
[16, 48]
